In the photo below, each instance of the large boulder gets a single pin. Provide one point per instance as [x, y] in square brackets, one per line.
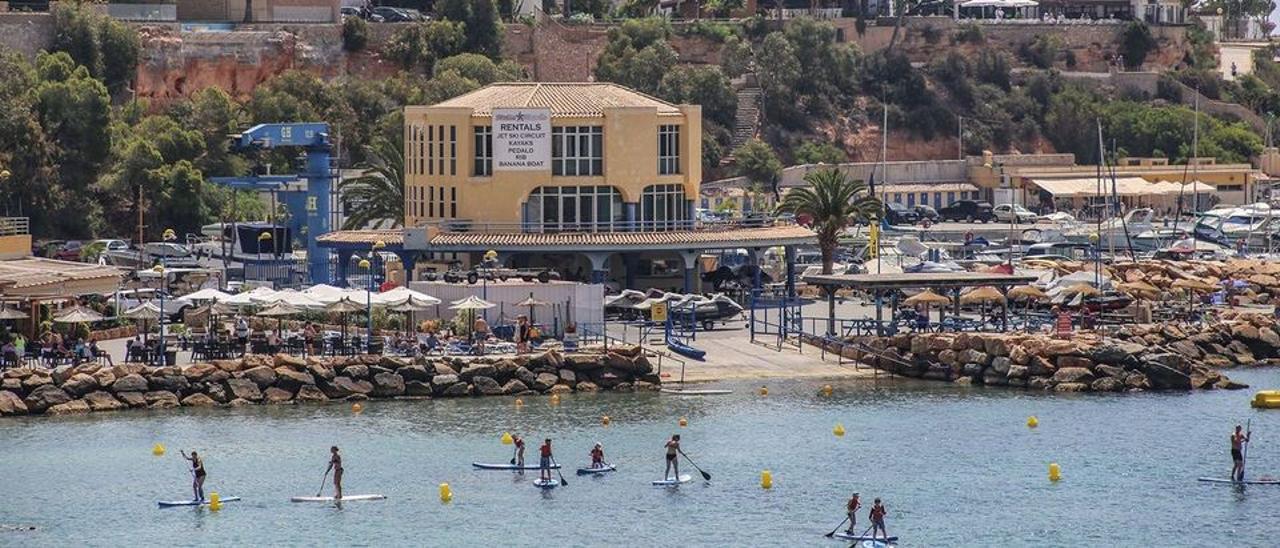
[263, 376]
[477, 370]
[243, 389]
[198, 400]
[73, 407]
[321, 371]
[587, 386]
[1071, 387]
[549, 360]
[296, 363]
[441, 382]
[386, 385]
[417, 388]
[135, 400]
[1074, 362]
[393, 363]
[277, 395]
[457, 390]
[311, 393]
[352, 386]
[486, 386]
[104, 376]
[1073, 375]
[525, 376]
[44, 397]
[1107, 384]
[415, 373]
[1109, 371]
[443, 367]
[11, 404]
[199, 371]
[217, 392]
[37, 379]
[124, 369]
[1001, 364]
[356, 371]
[1135, 380]
[292, 380]
[1163, 376]
[102, 401]
[1017, 372]
[504, 368]
[1039, 366]
[80, 384]
[567, 376]
[13, 385]
[514, 386]
[161, 399]
[544, 382]
[171, 383]
[61, 373]
[1018, 355]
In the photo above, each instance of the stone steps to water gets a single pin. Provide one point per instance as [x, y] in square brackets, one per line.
[746, 124]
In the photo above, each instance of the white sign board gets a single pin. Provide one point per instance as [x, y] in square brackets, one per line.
[521, 139]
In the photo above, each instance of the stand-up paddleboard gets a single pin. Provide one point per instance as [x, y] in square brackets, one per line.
[505, 466]
[1262, 481]
[589, 471]
[171, 503]
[348, 498]
[877, 544]
[684, 478]
[546, 484]
[694, 392]
[859, 538]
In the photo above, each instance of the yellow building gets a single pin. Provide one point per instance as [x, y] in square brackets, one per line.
[579, 177]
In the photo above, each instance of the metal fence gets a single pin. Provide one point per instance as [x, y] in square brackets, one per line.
[15, 226]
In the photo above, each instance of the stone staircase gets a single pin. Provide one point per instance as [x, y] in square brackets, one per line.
[746, 123]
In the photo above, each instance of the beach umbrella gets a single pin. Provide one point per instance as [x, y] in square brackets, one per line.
[471, 303]
[7, 313]
[280, 310]
[78, 314]
[532, 302]
[345, 306]
[984, 294]
[147, 311]
[926, 297]
[207, 294]
[1140, 290]
[296, 299]
[399, 294]
[1082, 289]
[1028, 293]
[412, 304]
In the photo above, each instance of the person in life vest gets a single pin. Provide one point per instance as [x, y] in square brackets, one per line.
[851, 508]
[877, 520]
[544, 464]
[597, 456]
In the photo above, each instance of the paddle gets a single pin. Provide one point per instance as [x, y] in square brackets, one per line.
[705, 475]
[563, 483]
[833, 531]
[513, 455]
[322, 481]
[1244, 455]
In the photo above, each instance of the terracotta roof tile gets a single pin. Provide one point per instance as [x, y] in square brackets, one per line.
[387, 236]
[734, 236]
[588, 99]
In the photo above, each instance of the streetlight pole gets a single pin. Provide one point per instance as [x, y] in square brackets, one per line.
[168, 236]
[368, 266]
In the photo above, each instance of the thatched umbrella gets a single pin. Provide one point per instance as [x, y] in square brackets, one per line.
[1139, 290]
[472, 303]
[532, 302]
[982, 295]
[279, 311]
[7, 313]
[412, 304]
[1082, 289]
[1194, 285]
[926, 297]
[1028, 293]
[78, 314]
[344, 306]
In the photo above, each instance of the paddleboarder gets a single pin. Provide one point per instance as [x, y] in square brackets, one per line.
[544, 465]
[519, 441]
[1238, 439]
[673, 449]
[198, 474]
[851, 508]
[335, 465]
[877, 520]
[597, 456]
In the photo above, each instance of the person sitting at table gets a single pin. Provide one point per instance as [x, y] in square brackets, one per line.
[82, 352]
[97, 352]
[273, 341]
[242, 330]
[10, 352]
[19, 346]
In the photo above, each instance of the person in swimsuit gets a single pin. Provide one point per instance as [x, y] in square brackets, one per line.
[851, 508]
[673, 448]
[544, 465]
[1238, 439]
[198, 474]
[597, 456]
[877, 520]
[519, 441]
[335, 464]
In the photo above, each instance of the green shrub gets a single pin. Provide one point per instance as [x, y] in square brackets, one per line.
[1040, 52]
[355, 34]
[1136, 43]
[969, 33]
[1167, 88]
[932, 35]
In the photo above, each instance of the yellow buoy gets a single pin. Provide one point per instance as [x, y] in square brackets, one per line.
[357, 407]
[215, 502]
[506, 438]
[157, 450]
[827, 390]
[764, 390]
[446, 494]
[766, 479]
[684, 421]
[605, 420]
[838, 430]
[555, 399]
[519, 402]
[1055, 473]
[1032, 421]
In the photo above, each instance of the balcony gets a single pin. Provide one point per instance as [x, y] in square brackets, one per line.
[15, 237]
[470, 226]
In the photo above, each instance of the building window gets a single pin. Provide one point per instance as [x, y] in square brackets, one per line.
[574, 208]
[668, 150]
[897, 197]
[663, 207]
[577, 151]
[484, 152]
[951, 198]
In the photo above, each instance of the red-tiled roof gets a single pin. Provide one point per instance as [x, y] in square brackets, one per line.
[775, 235]
[389, 237]
[585, 99]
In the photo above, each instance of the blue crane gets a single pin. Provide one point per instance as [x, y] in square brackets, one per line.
[316, 205]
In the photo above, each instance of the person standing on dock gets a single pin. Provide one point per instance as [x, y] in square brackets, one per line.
[673, 448]
[877, 520]
[1238, 439]
[197, 474]
[335, 464]
[851, 508]
[544, 464]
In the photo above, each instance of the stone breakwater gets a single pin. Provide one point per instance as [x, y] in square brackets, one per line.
[284, 379]
[1131, 358]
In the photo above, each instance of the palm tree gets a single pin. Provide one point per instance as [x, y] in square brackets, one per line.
[833, 201]
[379, 193]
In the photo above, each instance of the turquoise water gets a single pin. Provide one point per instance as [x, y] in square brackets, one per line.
[956, 466]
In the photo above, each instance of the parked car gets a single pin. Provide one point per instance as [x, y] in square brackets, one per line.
[927, 213]
[967, 210]
[361, 12]
[92, 250]
[898, 214]
[398, 15]
[69, 251]
[1013, 213]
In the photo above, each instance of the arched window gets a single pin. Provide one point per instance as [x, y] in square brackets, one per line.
[663, 207]
[574, 209]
